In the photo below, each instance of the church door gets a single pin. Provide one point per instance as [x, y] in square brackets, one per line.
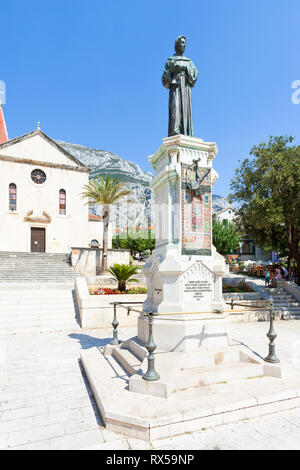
[38, 240]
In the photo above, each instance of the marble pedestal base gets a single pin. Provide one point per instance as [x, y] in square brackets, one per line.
[187, 332]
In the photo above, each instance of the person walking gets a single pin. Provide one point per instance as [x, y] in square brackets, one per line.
[267, 278]
[284, 272]
[278, 275]
[292, 275]
[273, 278]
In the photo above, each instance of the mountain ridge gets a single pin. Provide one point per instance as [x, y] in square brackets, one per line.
[103, 162]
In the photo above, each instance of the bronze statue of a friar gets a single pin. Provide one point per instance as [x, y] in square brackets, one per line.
[179, 77]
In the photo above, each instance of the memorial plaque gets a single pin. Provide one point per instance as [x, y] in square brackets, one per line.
[197, 284]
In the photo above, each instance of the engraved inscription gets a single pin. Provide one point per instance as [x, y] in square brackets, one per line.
[197, 289]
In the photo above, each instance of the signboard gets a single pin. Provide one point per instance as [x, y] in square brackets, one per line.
[275, 256]
[196, 210]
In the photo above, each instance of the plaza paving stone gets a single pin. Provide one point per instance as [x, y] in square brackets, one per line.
[46, 402]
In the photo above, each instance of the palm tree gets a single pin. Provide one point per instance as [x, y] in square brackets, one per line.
[106, 192]
[123, 273]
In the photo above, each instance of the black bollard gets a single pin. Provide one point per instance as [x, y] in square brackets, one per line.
[272, 335]
[151, 373]
[115, 324]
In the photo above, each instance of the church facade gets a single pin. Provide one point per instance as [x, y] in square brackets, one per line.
[41, 207]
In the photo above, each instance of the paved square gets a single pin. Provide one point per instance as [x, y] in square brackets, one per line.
[46, 402]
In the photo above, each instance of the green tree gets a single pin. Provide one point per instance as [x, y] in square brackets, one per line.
[105, 192]
[123, 273]
[134, 244]
[225, 237]
[267, 190]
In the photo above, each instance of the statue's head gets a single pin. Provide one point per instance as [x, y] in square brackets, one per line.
[180, 45]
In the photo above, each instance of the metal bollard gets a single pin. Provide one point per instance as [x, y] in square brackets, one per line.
[151, 373]
[115, 324]
[272, 335]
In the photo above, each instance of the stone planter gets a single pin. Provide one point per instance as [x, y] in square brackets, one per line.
[96, 311]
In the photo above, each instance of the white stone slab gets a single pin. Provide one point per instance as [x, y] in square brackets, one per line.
[186, 332]
[149, 417]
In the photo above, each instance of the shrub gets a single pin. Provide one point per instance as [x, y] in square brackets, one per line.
[123, 273]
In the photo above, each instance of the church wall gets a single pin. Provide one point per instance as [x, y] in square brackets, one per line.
[63, 231]
[37, 148]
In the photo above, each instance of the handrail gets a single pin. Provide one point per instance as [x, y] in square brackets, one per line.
[129, 309]
[232, 304]
[150, 374]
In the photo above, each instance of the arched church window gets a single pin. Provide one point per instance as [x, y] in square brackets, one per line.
[38, 176]
[62, 202]
[12, 197]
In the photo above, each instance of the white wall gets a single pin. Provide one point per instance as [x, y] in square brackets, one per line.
[63, 231]
[95, 232]
[227, 214]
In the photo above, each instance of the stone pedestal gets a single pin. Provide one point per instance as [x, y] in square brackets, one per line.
[184, 273]
[187, 332]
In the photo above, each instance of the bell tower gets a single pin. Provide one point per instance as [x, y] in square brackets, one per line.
[3, 130]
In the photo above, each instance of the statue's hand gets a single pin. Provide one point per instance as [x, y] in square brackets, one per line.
[173, 66]
[180, 68]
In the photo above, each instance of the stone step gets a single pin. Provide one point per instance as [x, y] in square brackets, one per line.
[127, 360]
[11, 309]
[36, 310]
[280, 297]
[274, 289]
[35, 286]
[31, 279]
[18, 267]
[287, 307]
[35, 269]
[35, 266]
[289, 302]
[41, 300]
[113, 366]
[24, 330]
[223, 373]
[291, 317]
[136, 347]
[54, 326]
[47, 318]
[29, 254]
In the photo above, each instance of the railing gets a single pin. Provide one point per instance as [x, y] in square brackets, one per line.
[115, 341]
[151, 373]
[271, 357]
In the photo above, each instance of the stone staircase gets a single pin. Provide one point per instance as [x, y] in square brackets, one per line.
[209, 367]
[35, 267]
[36, 293]
[284, 303]
[37, 309]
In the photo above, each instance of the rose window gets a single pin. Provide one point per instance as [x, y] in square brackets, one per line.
[38, 176]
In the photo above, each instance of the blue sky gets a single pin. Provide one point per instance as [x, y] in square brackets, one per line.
[90, 72]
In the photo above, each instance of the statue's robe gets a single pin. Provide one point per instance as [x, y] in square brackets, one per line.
[179, 77]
